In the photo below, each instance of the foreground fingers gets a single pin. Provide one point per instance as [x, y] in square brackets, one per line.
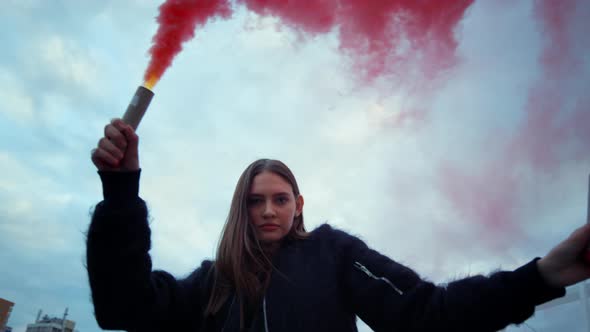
[111, 148]
[117, 150]
[103, 159]
[581, 236]
[113, 134]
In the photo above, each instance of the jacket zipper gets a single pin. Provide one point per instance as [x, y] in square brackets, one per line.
[228, 312]
[264, 310]
[361, 267]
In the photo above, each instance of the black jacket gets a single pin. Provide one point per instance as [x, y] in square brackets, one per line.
[324, 282]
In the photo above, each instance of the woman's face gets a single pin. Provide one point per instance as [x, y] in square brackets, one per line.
[272, 206]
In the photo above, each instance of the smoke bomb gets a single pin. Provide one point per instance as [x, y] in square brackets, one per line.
[137, 107]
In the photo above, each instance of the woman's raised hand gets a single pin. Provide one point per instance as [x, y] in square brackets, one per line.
[117, 150]
[565, 264]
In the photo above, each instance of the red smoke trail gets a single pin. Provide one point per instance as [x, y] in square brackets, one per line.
[551, 119]
[178, 20]
[555, 129]
[382, 37]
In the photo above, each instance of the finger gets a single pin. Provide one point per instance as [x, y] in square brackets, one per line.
[118, 123]
[103, 159]
[102, 166]
[116, 136]
[582, 232]
[131, 137]
[111, 148]
[581, 236]
[105, 155]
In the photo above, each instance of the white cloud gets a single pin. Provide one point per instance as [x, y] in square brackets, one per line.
[16, 102]
[23, 4]
[262, 34]
[30, 208]
[16, 169]
[69, 62]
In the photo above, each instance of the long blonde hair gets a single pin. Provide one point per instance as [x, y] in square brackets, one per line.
[241, 263]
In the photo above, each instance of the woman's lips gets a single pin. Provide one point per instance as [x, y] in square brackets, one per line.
[269, 227]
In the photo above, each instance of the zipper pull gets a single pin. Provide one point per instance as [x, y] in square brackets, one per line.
[367, 272]
[364, 269]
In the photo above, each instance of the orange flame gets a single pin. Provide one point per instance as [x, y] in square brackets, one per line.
[151, 82]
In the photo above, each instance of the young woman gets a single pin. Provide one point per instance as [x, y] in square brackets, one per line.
[272, 275]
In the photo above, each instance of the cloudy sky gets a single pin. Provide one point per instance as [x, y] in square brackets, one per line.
[480, 167]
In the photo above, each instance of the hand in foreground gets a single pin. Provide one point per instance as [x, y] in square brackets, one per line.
[565, 264]
[118, 149]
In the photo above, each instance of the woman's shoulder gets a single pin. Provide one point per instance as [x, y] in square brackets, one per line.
[335, 235]
[323, 231]
[201, 275]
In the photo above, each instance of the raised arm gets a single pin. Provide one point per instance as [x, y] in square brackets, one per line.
[126, 293]
[389, 296]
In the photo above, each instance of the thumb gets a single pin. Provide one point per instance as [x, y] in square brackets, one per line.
[132, 140]
[581, 236]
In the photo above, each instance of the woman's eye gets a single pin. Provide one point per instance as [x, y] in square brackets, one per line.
[254, 201]
[282, 200]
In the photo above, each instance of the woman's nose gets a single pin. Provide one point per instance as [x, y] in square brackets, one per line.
[268, 210]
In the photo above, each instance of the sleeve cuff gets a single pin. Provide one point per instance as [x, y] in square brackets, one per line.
[533, 282]
[120, 186]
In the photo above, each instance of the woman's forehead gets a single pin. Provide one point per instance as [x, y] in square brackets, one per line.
[268, 182]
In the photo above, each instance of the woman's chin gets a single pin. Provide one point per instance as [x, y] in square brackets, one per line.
[270, 239]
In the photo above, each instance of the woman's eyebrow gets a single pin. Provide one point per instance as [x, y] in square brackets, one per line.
[282, 193]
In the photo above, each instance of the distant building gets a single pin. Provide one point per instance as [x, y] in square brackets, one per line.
[52, 324]
[5, 310]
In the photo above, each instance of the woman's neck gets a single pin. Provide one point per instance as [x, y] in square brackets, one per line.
[270, 248]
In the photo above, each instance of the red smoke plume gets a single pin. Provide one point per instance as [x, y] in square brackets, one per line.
[553, 123]
[178, 20]
[380, 36]
[555, 129]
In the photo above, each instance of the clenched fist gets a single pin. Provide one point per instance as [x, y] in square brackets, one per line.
[117, 150]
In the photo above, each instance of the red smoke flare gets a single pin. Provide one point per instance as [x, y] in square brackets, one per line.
[178, 20]
[382, 37]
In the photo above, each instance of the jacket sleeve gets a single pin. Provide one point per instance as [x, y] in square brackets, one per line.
[126, 293]
[391, 297]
